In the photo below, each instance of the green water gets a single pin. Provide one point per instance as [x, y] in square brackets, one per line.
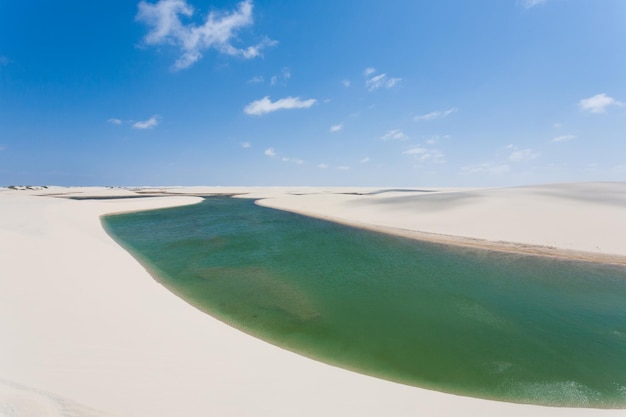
[471, 322]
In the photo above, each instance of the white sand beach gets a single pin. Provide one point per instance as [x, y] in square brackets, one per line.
[86, 331]
[584, 221]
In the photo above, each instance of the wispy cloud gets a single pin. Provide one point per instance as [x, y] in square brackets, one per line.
[297, 161]
[2, 148]
[532, 3]
[518, 155]
[381, 80]
[345, 83]
[246, 145]
[522, 154]
[336, 128]
[343, 168]
[271, 152]
[426, 155]
[322, 166]
[147, 124]
[563, 138]
[281, 78]
[365, 160]
[256, 80]
[218, 31]
[374, 82]
[598, 103]
[265, 105]
[435, 115]
[436, 139]
[486, 168]
[114, 121]
[394, 134]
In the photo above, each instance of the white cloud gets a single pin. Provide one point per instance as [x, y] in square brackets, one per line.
[343, 168]
[415, 151]
[345, 83]
[521, 155]
[271, 152]
[246, 145]
[598, 103]
[365, 160]
[166, 28]
[265, 105]
[426, 155]
[294, 160]
[114, 121]
[147, 124]
[336, 128]
[532, 3]
[436, 114]
[518, 155]
[436, 139]
[322, 166]
[392, 81]
[379, 81]
[256, 80]
[394, 134]
[486, 168]
[281, 78]
[375, 82]
[368, 71]
[563, 138]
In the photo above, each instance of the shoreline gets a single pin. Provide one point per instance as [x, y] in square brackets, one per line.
[579, 222]
[468, 242]
[84, 321]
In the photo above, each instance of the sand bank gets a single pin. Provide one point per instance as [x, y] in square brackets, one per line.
[577, 221]
[83, 327]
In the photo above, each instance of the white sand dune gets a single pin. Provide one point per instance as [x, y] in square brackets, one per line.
[551, 219]
[81, 322]
[21, 401]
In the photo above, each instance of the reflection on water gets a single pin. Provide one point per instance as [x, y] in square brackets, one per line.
[471, 322]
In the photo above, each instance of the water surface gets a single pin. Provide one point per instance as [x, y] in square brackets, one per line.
[471, 322]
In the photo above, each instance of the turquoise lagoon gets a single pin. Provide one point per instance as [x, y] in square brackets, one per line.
[471, 322]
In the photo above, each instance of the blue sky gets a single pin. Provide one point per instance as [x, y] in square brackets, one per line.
[266, 92]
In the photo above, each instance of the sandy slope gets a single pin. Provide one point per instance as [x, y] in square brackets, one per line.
[552, 219]
[83, 327]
